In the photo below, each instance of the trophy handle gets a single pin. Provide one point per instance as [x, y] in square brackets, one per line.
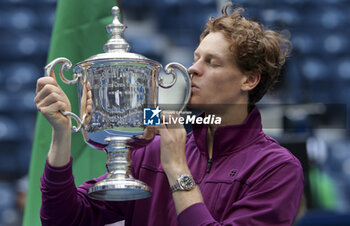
[80, 122]
[170, 69]
[66, 65]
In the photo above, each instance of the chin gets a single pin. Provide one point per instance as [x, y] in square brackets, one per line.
[195, 101]
[193, 104]
[198, 106]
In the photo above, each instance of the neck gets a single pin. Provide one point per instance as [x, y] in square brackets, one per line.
[233, 116]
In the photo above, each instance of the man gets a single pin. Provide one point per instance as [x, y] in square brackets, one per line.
[233, 173]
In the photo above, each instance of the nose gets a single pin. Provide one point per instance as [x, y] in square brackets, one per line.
[194, 70]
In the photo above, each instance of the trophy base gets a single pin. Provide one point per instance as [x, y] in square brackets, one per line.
[119, 190]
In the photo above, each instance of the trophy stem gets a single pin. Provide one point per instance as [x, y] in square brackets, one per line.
[118, 161]
[119, 185]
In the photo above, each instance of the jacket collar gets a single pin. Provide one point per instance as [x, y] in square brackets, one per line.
[230, 138]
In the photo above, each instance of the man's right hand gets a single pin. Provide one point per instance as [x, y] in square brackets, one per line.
[50, 100]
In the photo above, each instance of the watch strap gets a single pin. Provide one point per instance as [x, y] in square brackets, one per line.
[184, 178]
[175, 187]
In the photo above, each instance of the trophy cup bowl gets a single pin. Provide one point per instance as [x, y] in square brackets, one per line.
[122, 85]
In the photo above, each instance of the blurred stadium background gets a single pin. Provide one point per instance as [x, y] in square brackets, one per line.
[307, 111]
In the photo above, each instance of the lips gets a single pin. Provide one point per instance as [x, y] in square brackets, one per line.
[194, 87]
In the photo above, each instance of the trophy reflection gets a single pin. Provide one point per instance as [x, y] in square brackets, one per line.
[122, 84]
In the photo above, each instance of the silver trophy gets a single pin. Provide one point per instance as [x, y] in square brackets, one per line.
[123, 84]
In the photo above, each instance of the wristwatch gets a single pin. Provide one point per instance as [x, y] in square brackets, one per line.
[183, 183]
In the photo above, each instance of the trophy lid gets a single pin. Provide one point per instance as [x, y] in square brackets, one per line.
[116, 47]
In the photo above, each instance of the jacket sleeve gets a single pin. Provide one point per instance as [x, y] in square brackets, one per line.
[64, 204]
[272, 200]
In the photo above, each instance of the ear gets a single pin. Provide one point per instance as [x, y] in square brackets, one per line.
[250, 80]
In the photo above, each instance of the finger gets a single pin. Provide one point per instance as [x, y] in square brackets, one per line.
[89, 94]
[49, 100]
[53, 108]
[45, 81]
[88, 86]
[88, 90]
[52, 74]
[89, 102]
[46, 91]
[89, 109]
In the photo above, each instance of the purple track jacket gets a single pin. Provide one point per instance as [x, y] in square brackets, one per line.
[251, 180]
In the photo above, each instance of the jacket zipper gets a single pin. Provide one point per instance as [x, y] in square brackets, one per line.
[210, 162]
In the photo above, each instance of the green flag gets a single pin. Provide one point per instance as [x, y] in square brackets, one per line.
[78, 33]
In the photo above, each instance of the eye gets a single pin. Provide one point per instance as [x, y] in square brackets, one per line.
[208, 60]
[212, 62]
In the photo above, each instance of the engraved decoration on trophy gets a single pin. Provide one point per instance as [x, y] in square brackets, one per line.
[122, 85]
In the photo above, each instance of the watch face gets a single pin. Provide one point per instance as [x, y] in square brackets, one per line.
[186, 182]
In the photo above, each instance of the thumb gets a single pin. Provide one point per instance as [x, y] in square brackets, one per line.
[49, 72]
[52, 74]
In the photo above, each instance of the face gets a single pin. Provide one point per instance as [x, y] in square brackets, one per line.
[216, 80]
